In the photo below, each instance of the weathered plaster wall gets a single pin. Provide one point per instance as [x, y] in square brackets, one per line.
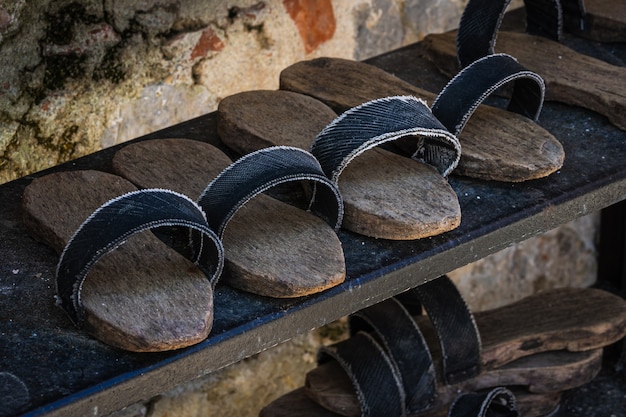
[79, 75]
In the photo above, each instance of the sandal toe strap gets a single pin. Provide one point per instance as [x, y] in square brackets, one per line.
[481, 19]
[373, 375]
[120, 218]
[454, 324]
[381, 121]
[392, 325]
[473, 84]
[259, 171]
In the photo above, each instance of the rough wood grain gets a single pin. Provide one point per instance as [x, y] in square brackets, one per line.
[385, 195]
[570, 77]
[547, 342]
[141, 297]
[297, 404]
[496, 144]
[271, 248]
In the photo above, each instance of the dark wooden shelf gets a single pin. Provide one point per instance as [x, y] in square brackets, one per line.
[68, 373]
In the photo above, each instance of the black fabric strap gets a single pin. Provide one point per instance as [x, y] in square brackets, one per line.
[574, 15]
[397, 332]
[498, 402]
[374, 377]
[544, 18]
[384, 120]
[118, 219]
[259, 171]
[472, 85]
[481, 19]
[455, 326]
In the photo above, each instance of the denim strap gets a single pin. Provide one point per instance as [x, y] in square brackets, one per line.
[392, 325]
[380, 121]
[118, 219]
[454, 324]
[481, 19]
[473, 84]
[498, 402]
[259, 171]
[373, 375]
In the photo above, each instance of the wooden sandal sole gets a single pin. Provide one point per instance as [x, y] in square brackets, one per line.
[143, 296]
[271, 248]
[570, 77]
[297, 404]
[548, 342]
[385, 195]
[543, 373]
[497, 144]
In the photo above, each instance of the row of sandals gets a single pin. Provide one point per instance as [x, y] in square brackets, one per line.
[149, 291]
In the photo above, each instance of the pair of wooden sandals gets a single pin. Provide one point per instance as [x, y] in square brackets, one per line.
[149, 291]
[399, 362]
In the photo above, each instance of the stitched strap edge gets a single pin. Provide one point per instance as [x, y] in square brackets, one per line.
[136, 211]
[383, 120]
[403, 341]
[498, 401]
[458, 100]
[261, 170]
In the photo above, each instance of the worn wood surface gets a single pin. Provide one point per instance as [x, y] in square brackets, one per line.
[141, 297]
[496, 144]
[271, 248]
[385, 195]
[570, 77]
[548, 342]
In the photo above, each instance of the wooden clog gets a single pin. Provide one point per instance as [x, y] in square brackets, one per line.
[570, 77]
[496, 144]
[143, 295]
[400, 360]
[271, 248]
[386, 195]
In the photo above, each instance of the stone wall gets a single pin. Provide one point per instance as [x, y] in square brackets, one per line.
[78, 76]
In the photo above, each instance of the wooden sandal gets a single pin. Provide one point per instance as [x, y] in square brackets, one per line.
[126, 288]
[497, 144]
[272, 248]
[386, 195]
[522, 344]
[570, 77]
[386, 367]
